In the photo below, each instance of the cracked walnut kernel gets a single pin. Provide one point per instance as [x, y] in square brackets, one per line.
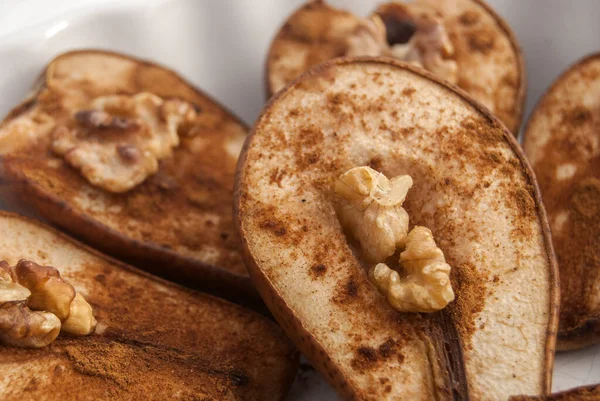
[426, 286]
[118, 142]
[370, 209]
[36, 304]
[23, 327]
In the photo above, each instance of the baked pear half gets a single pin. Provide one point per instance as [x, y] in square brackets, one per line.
[321, 227]
[562, 142]
[132, 159]
[150, 337]
[588, 393]
[461, 41]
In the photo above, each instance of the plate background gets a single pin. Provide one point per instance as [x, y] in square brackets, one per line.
[220, 46]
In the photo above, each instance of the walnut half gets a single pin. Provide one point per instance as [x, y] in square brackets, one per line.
[370, 209]
[118, 141]
[426, 286]
[36, 304]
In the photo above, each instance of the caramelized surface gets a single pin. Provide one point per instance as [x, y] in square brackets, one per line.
[179, 216]
[490, 66]
[471, 187]
[562, 142]
[153, 339]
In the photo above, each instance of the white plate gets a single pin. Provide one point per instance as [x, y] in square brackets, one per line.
[220, 46]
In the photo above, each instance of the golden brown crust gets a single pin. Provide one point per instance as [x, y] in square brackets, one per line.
[153, 336]
[589, 393]
[561, 139]
[476, 44]
[175, 213]
[281, 309]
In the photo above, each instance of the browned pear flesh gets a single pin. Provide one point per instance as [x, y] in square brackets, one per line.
[471, 186]
[178, 222]
[562, 142]
[488, 57]
[153, 339]
[590, 393]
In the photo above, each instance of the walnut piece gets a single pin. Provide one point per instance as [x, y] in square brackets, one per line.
[118, 142]
[370, 210]
[6, 273]
[48, 290]
[22, 327]
[419, 38]
[36, 304]
[13, 292]
[426, 287]
[81, 320]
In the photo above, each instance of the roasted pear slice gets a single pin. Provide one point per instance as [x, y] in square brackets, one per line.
[589, 393]
[562, 142]
[471, 186]
[153, 339]
[132, 159]
[462, 41]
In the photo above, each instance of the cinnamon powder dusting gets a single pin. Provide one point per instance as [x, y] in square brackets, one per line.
[469, 17]
[470, 288]
[481, 41]
[131, 367]
[575, 203]
[366, 357]
[161, 210]
[110, 361]
[586, 199]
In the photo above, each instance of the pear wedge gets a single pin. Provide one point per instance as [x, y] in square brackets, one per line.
[177, 223]
[152, 340]
[562, 142]
[489, 61]
[472, 187]
[588, 393]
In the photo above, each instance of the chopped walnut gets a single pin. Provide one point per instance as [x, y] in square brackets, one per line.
[395, 31]
[370, 209]
[36, 304]
[426, 287]
[117, 143]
